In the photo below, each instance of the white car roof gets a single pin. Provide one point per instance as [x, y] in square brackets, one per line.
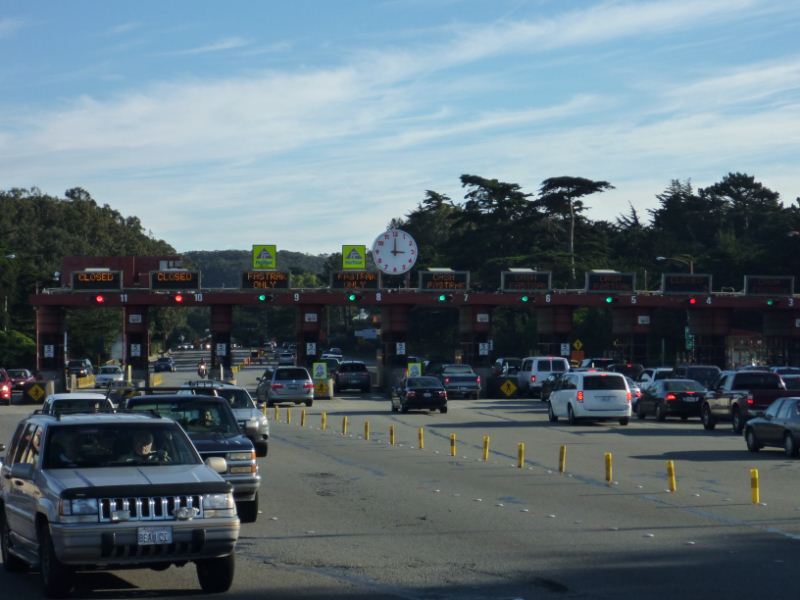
[76, 396]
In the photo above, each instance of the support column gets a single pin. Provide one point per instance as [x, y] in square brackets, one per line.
[554, 326]
[710, 328]
[474, 327]
[221, 323]
[51, 347]
[394, 330]
[310, 333]
[631, 328]
[136, 334]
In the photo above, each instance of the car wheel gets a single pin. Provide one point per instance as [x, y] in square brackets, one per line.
[571, 418]
[215, 574]
[248, 511]
[57, 579]
[403, 408]
[309, 402]
[709, 422]
[551, 415]
[394, 408]
[736, 421]
[11, 563]
[789, 445]
[624, 421]
[751, 441]
[640, 414]
[661, 412]
[443, 409]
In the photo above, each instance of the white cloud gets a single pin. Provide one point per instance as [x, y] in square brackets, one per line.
[10, 26]
[219, 46]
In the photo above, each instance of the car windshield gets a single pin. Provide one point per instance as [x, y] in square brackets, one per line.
[457, 369]
[237, 397]
[352, 367]
[164, 360]
[792, 383]
[289, 374]
[604, 382]
[424, 382]
[706, 375]
[116, 444]
[194, 417]
[76, 363]
[85, 405]
[757, 381]
[110, 370]
[18, 373]
[683, 386]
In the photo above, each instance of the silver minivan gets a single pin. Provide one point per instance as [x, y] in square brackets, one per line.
[595, 395]
[291, 384]
[535, 369]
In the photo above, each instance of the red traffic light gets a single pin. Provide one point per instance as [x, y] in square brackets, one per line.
[178, 298]
[692, 301]
[99, 298]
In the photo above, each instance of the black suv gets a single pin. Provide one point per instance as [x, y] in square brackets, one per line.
[352, 374]
[213, 429]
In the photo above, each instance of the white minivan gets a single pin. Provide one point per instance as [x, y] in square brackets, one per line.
[535, 369]
[594, 395]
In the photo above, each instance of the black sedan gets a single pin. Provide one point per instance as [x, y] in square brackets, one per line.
[420, 392]
[667, 397]
[779, 427]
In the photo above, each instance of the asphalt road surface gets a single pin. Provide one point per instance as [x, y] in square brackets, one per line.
[347, 517]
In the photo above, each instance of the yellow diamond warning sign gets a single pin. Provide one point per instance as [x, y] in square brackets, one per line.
[508, 388]
[36, 393]
[577, 344]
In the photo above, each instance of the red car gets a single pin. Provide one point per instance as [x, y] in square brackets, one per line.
[5, 386]
[19, 377]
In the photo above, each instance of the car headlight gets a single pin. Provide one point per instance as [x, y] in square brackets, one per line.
[79, 510]
[240, 456]
[218, 505]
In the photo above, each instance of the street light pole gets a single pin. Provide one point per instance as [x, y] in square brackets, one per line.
[683, 259]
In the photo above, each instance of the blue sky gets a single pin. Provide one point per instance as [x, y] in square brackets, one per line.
[311, 124]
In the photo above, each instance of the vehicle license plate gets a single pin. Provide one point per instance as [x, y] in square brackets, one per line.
[606, 398]
[294, 387]
[690, 399]
[426, 395]
[150, 536]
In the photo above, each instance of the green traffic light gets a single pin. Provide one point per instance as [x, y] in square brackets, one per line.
[770, 302]
[442, 297]
[262, 297]
[351, 297]
[609, 299]
[525, 298]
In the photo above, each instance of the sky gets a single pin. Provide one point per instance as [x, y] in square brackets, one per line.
[311, 124]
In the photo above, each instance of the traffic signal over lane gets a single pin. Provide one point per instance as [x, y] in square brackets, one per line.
[265, 297]
[353, 297]
[445, 297]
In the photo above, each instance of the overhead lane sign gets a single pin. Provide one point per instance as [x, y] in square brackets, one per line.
[354, 257]
[265, 256]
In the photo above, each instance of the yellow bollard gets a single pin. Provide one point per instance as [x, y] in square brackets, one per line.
[609, 468]
[486, 441]
[421, 435]
[366, 430]
[264, 409]
[521, 455]
[288, 415]
[277, 414]
[754, 491]
[452, 444]
[673, 486]
[324, 424]
[562, 459]
[303, 418]
[391, 435]
[344, 425]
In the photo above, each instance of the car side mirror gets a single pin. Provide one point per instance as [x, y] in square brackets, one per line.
[251, 429]
[217, 464]
[22, 471]
[2, 447]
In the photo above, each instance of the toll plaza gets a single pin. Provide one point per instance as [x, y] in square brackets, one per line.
[135, 285]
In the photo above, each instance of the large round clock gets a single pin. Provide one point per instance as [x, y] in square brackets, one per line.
[394, 252]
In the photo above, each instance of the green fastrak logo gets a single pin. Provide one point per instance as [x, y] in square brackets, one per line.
[265, 256]
[354, 257]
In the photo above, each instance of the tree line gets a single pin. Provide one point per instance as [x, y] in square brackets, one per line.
[729, 229]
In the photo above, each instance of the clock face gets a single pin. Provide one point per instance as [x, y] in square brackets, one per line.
[394, 252]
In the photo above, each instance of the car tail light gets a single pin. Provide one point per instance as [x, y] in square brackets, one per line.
[479, 379]
[277, 386]
[533, 378]
[411, 395]
[750, 400]
[442, 394]
[580, 396]
[638, 393]
[308, 385]
[671, 397]
[5, 391]
[446, 380]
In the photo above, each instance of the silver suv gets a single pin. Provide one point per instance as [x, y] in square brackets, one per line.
[113, 491]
